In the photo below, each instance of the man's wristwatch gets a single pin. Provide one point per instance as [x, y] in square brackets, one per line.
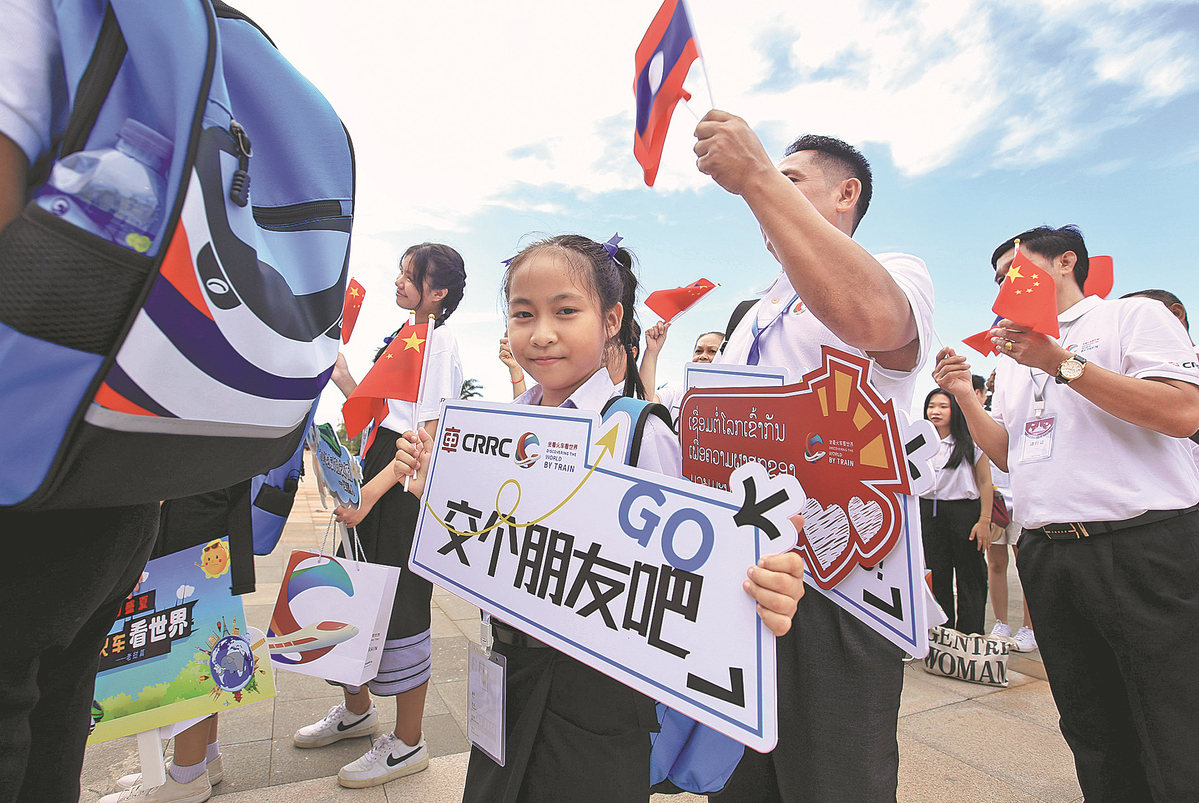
[1070, 369]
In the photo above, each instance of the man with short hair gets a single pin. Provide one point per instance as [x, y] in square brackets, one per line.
[707, 346]
[1089, 426]
[839, 681]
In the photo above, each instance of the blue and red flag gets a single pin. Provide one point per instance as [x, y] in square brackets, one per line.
[664, 56]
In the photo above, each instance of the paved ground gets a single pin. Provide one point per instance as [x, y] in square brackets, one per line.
[957, 741]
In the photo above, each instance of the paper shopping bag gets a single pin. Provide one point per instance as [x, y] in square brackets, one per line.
[330, 620]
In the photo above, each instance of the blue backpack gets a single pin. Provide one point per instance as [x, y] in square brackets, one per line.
[686, 756]
[135, 377]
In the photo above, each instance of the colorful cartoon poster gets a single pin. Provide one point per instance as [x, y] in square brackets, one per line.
[179, 649]
[337, 472]
[860, 462]
[531, 514]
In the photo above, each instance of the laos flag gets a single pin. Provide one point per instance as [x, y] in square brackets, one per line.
[663, 59]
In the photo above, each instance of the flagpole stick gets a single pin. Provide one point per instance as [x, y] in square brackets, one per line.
[703, 62]
[420, 388]
[688, 108]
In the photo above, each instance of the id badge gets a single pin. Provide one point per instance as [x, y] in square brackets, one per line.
[1037, 442]
[487, 702]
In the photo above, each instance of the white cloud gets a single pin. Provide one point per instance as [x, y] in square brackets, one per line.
[456, 107]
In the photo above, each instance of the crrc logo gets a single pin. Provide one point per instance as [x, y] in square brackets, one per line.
[454, 439]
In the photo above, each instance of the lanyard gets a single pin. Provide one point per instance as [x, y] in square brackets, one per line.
[1038, 391]
[755, 352]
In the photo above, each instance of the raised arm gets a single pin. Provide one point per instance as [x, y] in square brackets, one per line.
[953, 376]
[839, 281]
[655, 338]
[1168, 406]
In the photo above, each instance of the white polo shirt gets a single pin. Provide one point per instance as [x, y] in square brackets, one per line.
[957, 482]
[1100, 468]
[794, 340]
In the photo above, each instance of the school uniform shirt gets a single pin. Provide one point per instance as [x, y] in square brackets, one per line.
[443, 380]
[957, 482]
[671, 397]
[660, 450]
[791, 336]
[1100, 468]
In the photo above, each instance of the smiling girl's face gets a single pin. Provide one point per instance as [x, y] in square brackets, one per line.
[409, 295]
[556, 329]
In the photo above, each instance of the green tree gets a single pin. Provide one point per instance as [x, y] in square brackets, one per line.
[471, 389]
[352, 444]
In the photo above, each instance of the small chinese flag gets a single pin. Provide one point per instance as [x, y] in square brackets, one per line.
[670, 304]
[663, 58]
[395, 375]
[981, 343]
[1028, 296]
[349, 313]
[1100, 277]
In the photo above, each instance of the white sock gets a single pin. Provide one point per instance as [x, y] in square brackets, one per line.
[185, 775]
[213, 751]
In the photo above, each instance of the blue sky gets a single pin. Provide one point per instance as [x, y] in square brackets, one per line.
[488, 125]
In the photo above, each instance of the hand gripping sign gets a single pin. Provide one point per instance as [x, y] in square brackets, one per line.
[858, 459]
[530, 514]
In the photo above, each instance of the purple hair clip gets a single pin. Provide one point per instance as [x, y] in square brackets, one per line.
[613, 245]
[507, 263]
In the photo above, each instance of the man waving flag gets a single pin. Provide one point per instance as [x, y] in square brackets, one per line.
[664, 56]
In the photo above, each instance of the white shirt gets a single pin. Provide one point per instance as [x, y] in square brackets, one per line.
[660, 451]
[671, 397]
[957, 482]
[1101, 468]
[33, 92]
[794, 340]
[443, 380]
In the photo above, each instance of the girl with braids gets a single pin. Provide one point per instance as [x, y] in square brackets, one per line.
[955, 516]
[431, 281]
[574, 733]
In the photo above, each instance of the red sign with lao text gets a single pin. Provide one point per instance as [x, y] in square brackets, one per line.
[834, 433]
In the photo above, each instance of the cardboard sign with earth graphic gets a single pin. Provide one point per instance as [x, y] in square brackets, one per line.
[179, 649]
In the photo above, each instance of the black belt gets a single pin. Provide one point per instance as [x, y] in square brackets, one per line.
[1083, 529]
[510, 635]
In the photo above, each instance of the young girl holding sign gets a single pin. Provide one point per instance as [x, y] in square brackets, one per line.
[955, 524]
[431, 281]
[574, 733]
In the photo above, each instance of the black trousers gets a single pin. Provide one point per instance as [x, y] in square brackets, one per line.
[1118, 627]
[838, 690]
[66, 572]
[948, 551]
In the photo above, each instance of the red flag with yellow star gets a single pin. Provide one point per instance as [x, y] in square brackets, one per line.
[395, 375]
[349, 313]
[1028, 296]
[670, 304]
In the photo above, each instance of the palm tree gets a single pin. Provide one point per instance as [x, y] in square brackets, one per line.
[471, 389]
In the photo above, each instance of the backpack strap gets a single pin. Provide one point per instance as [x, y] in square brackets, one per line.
[738, 313]
[639, 411]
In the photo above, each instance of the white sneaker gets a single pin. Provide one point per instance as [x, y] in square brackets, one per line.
[340, 723]
[1025, 640]
[216, 774]
[1001, 629]
[197, 791]
[388, 759]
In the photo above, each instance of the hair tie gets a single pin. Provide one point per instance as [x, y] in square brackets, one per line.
[612, 246]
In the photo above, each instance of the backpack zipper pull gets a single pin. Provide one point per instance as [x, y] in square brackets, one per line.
[239, 190]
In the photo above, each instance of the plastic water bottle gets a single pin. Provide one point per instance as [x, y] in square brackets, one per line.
[115, 193]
